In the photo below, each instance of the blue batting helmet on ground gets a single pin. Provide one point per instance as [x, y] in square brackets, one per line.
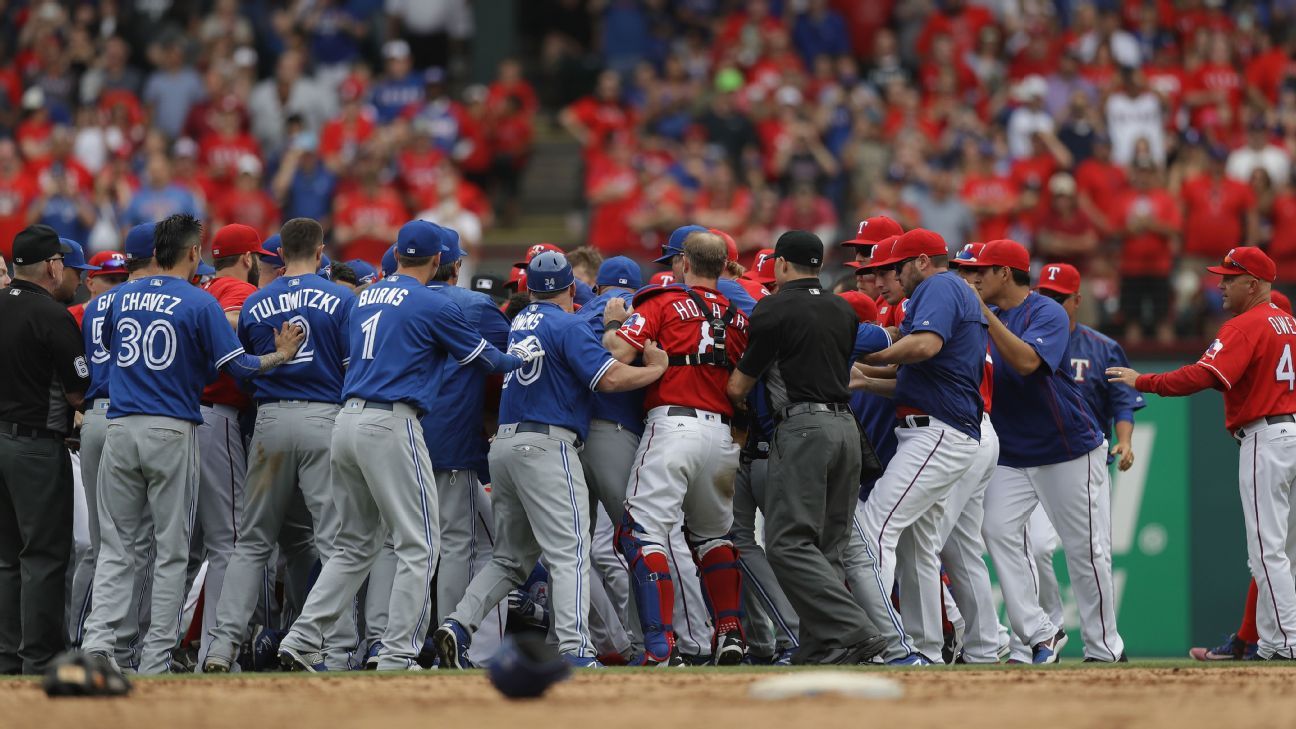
[525, 667]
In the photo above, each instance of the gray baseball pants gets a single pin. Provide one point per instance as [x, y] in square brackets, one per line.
[222, 467]
[770, 623]
[467, 542]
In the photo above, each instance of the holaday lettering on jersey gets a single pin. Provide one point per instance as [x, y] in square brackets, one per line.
[392, 296]
[290, 302]
[145, 301]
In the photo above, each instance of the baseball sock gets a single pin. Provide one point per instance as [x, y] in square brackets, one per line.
[723, 584]
[1247, 632]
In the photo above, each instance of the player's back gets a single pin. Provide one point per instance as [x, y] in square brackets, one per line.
[625, 408]
[322, 309]
[948, 385]
[167, 340]
[1262, 381]
[97, 354]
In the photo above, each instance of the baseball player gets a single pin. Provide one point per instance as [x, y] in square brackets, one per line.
[1051, 452]
[297, 406]
[269, 265]
[688, 449]
[165, 338]
[540, 497]
[583, 291]
[939, 406]
[399, 337]
[222, 457]
[1251, 359]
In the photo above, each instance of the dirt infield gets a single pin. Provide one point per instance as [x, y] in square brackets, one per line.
[1160, 695]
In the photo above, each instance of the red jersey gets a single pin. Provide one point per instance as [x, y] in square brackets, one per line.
[987, 382]
[1215, 211]
[342, 137]
[1253, 359]
[219, 155]
[81, 177]
[995, 191]
[1282, 246]
[1103, 183]
[78, 312]
[669, 317]
[254, 208]
[602, 119]
[230, 293]
[1147, 253]
[754, 288]
[356, 209]
[609, 230]
[15, 194]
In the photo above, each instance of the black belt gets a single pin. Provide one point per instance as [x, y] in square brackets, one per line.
[18, 430]
[390, 407]
[915, 421]
[1239, 434]
[803, 408]
[528, 426]
[683, 412]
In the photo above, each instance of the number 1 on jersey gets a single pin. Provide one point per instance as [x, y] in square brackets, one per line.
[1285, 372]
[370, 328]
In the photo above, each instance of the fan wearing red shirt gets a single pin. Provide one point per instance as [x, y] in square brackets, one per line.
[220, 151]
[1267, 71]
[1213, 83]
[612, 189]
[511, 84]
[1218, 210]
[366, 218]
[222, 458]
[16, 193]
[1282, 245]
[247, 201]
[1101, 183]
[991, 197]
[687, 447]
[1148, 218]
[960, 20]
[1251, 360]
[342, 136]
[593, 119]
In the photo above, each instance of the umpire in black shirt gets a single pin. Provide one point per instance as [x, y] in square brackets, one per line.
[43, 374]
[801, 341]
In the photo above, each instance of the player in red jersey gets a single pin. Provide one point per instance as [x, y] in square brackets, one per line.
[1251, 360]
[687, 448]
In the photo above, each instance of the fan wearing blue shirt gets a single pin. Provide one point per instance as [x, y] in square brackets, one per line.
[540, 497]
[297, 405]
[941, 353]
[1051, 452]
[167, 339]
[400, 336]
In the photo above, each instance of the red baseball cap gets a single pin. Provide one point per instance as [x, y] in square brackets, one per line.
[873, 230]
[236, 239]
[763, 273]
[109, 263]
[662, 278]
[881, 255]
[918, 242]
[865, 308]
[534, 251]
[516, 280]
[968, 253]
[1002, 252]
[1248, 260]
[731, 248]
[1280, 300]
[1062, 278]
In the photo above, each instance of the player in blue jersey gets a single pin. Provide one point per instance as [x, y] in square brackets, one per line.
[941, 353]
[1051, 452]
[167, 339]
[270, 267]
[539, 495]
[672, 254]
[400, 337]
[297, 405]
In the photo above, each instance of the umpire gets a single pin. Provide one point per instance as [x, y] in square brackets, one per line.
[43, 375]
[801, 340]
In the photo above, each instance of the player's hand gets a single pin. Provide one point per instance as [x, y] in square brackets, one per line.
[527, 350]
[615, 310]
[1126, 453]
[654, 356]
[289, 339]
[1123, 375]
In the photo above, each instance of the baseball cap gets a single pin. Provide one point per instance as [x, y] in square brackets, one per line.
[534, 251]
[517, 280]
[1002, 252]
[396, 49]
[865, 308]
[731, 247]
[675, 244]
[967, 253]
[139, 242]
[204, 269]
[1062, 184]
[109, 263]
[763, 273]
[800, 247]
[873, 230]
[326, 267]
[492, 286]
[364, 270]
[418, 239]
[1062, 278]
[450, 250]
[881, 255]
[661, 278]
[236, 239]
[389, 262]
[37, 243]
[271, 247]
[74, 256]
[1249, 260]
[1280, 300]
[549, 271]
[918, 242]
[249, 165]
[620, 271]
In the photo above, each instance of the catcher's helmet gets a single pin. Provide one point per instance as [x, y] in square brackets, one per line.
[525, 667]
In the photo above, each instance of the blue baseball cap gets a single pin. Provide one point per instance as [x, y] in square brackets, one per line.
[205, 269]
[74, 256]
[549, 271]
[139, 242]
[326, 267]
[675, 244]
[272, 244]
[418, 239]
[450, 249]
[389, 262]
[364, 270]
[620, 271]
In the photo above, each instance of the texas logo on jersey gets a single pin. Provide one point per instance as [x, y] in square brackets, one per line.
[1215, 348]
[1079, 368]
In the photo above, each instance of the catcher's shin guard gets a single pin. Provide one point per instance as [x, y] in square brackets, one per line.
[717, 560]
[654, 590]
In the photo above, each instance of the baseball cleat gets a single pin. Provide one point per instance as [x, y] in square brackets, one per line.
[783, 657]
[1122, 659]
[581, 661]
[1045, 651]
[913, 659]
[1059, 642]
[371, 656]
[216, 664]
[291, 659]
[872, 647]
[452, 643]
[1233, 649]
[730, 649]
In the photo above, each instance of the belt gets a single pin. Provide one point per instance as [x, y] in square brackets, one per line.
[388, 406]
[677, 411]
[803, 408]
[914, 421]
[18, 430]
[528, 426]
[1242, 432]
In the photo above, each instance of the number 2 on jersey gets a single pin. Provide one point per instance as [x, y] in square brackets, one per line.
[1285, 372]
[370, 328]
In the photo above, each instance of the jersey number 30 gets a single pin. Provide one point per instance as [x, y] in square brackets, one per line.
[1285, 372]
[156, 343]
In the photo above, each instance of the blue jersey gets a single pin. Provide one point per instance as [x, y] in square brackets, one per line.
[557, 388]
[453, 425]
[97, 354]
[402, 334]
[1088, 356]
[392, 96]
[624, 408]
[1041, 418]
[734, 291]
[167, 339]
[322, 309]
[869, 338]
[947, 386]
[583, 294]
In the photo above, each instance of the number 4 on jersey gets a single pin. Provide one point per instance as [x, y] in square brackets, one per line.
[1285, 372]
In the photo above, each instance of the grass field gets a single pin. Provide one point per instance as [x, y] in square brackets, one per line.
[1177, 693]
